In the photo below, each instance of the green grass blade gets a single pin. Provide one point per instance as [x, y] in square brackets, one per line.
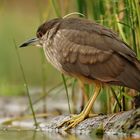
[56, 8]
[66, 89]
[81, 7]
[117, 100]
[25, 84]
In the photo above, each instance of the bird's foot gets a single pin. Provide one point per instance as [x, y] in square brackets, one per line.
[73, 121]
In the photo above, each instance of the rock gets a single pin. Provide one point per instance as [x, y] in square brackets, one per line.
[127, 122]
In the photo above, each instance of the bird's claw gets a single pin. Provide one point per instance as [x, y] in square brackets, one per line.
[72, 122]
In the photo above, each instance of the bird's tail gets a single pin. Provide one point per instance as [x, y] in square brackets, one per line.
[137, 64]
[130, 77]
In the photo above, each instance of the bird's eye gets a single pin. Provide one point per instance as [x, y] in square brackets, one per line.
[39, 34]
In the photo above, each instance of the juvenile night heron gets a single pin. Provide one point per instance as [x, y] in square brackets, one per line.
[89, 52]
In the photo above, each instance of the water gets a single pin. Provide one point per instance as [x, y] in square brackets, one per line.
[25, 130]
[43, 135]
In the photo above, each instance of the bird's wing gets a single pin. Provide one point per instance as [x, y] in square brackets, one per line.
[94, 55]
[86, 32]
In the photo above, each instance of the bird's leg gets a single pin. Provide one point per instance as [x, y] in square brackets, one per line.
[84, 95]
[76, 119]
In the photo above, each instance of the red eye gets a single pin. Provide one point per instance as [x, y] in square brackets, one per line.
[39, 34]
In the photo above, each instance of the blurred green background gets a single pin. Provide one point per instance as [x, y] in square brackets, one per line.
[19, 21]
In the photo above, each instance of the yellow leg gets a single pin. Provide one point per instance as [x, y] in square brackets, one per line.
[84, 95]
[91, 101]
[75, 119]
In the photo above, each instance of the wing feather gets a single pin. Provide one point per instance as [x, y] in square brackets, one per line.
[89, 61]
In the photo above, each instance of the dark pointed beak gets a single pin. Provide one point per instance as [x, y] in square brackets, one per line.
[33, 41]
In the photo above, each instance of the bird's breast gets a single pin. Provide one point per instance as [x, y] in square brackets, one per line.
[52, 56]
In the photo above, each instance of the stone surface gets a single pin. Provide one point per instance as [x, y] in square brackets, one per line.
[123, 122]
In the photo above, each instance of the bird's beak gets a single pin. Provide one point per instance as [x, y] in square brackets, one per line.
[33, 41]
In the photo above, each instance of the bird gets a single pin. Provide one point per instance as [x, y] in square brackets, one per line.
[89, 52]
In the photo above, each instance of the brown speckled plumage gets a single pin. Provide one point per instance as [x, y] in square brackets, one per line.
[81, 47]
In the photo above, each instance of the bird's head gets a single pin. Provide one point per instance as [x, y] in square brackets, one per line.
[41, 32]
